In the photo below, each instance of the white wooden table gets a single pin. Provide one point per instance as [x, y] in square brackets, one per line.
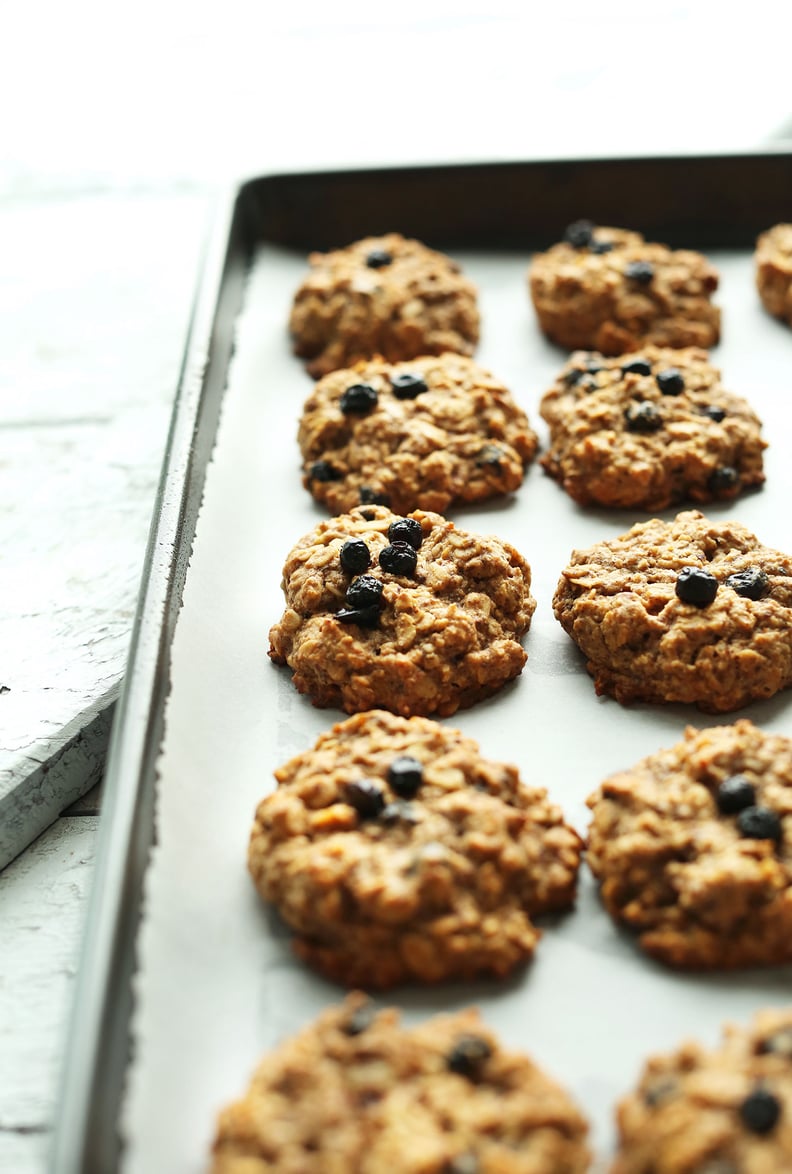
[120, 134]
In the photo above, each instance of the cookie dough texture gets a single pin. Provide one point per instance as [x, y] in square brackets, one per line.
[438, 883]
[586, 300]
[774, 271]
[416, 303]
[355, 1093]
[679, 872]
[701, 443]
[462, 439]
[618, 602]
[688, 1113]
[447, 635]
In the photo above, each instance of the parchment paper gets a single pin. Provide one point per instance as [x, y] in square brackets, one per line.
[217, 984]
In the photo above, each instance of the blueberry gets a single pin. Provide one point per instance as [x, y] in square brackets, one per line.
[378, 259]
[366, 797]
[399, 812]
[735, 794]
[365, 591]
[579, 234]
[355, 556]
[490, 455]
[639, 271]
[368, 515]
[777, 1044]
[643, 417]
[760, 823]
[398, 559]
[407, 530]
[760, 1110]
[723, 479]
[324, 471]
[468, 1055]
[359, 398]
[600, 247]
[716, 414]
[637, 367]
[573, 376]
[405, 775]
[360, 1019]
[364, 617]
[751, 584]
[671, 381]
[695, 585]
[369, 496]
[408, 386]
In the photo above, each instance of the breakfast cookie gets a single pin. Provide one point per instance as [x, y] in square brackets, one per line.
[689, 610]
[386, 296]
[396, 852]
[693, 849]
[425, 434]
[357, 1093]
[774, 271]
[725, 1110]
[407, 614]
[609, 290]
[649, 430]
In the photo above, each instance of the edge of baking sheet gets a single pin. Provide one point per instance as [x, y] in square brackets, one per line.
[722, 203]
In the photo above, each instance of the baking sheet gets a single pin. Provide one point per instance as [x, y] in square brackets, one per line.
[217, 984]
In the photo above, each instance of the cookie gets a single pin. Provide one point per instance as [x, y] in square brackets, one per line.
[386, 296]
[693, 849]
[774, 271]
[722, 1110]
[609, 290]
[407, 614]
[689, 610]
[357, 1093]
[428, 434]
[396, 852]
[649, 431]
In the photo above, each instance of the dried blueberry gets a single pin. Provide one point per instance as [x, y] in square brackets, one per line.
[491, 455]
[408, 386]
[364, 617]
[671, 381]
[573, 376]
[406, 530]
[760, 1110]
[639, 271]
[368, 515]
[399, 812]
[398, 559]
[778, 1044]
[643, 417]
[405, 775]
[369, 496]
[735, 794]
[760, 823]
[751, 584]
[378, 259]
[359, 398]
[600, 247]
[360, 1019]
[324, 471]
[716, 414]
[468, 1055]
[637, 367]
[355, 556]
[695, 585]
[366, 797]
[723, 479]
[365, 591]
[579, 234]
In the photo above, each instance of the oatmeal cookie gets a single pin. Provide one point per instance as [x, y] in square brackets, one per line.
[609, 290]
[357, 1093]
[693, 849]
[420, 435]
[725, 1110]
[774, 271]
[689, 610]
[407, 614]
[649, 431]
[396, 852]
[386, 296]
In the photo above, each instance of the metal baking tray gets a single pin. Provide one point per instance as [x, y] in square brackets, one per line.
[503, 211]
